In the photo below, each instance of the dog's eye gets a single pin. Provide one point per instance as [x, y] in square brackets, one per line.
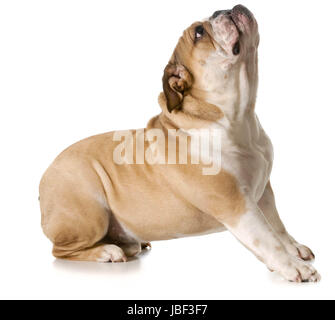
[199, 32]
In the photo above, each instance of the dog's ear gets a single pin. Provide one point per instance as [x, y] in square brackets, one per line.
[176, 81]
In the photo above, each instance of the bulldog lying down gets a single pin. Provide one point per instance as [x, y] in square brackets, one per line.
[105, 198]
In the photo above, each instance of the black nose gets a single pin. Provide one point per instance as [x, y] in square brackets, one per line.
[219, 12]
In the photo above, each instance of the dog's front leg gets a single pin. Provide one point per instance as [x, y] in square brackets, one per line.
[268, 206]
[253, 230]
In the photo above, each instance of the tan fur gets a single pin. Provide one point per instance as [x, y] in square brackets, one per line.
[170, 200]
[87, 200]
[94, 209]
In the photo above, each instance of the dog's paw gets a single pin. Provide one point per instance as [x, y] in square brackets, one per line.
[303, 252]
[112, 253]
[296, 270]
[298, 250]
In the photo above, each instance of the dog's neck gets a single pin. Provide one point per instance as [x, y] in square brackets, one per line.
[233, 92]
[232, 102]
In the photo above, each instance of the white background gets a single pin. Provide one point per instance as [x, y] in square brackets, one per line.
[70, 69]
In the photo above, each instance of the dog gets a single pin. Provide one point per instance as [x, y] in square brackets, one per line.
[99, 204]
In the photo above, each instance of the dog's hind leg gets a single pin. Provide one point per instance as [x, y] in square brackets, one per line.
[75, 213]
[98, 253]
[82, 238]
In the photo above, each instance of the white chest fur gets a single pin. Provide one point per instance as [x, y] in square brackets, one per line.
[246, 153]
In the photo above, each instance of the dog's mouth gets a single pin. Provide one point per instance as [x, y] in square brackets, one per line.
[234, 17]
[242, 21]
[239, 9]
[239, 16]
[234, 20]
[237, 45]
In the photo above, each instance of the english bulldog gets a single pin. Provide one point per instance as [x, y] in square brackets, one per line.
[107, 197]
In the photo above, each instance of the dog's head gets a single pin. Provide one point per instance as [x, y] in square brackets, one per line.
[207, 55]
